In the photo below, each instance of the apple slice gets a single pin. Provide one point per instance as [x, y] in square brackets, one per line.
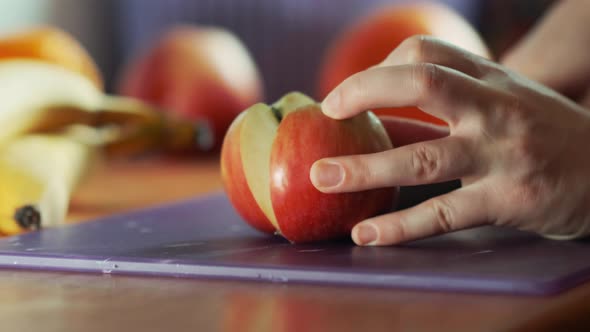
[258, 133]
[234, 179]
[292, 101]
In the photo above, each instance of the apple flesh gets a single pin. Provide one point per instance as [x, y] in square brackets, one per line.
[199, 73]
[370, 40]
[266, 158]
[236, 186]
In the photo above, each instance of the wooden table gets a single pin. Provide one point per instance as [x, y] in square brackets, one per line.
[48, 301]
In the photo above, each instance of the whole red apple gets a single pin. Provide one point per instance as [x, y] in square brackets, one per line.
[374, 36]
[265, 162]
[199, 73]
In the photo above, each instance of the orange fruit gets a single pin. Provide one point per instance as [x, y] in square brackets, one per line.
[52, 45]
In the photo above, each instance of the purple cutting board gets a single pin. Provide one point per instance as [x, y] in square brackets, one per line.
[205, 238]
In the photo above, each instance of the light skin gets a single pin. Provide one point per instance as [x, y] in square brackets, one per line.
[557, 51]
[518, 147]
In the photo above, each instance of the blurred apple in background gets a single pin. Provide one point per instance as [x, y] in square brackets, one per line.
[52, 45]
[373, 37]
[265, 162]
[199, 73]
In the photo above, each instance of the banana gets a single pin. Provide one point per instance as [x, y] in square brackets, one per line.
[31, 89]
[52, 122]
[141, 127]
[40, 97]
[37, 176]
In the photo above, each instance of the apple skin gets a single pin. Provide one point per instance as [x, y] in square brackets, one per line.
[305, 214]
[376, 35]
[200, 73]
[234, 180]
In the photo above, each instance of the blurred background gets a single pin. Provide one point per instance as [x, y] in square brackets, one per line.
[286, 38]
[203, 84]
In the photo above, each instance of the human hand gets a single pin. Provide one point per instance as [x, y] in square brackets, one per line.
[557, 51]
[517, 146]
[403, 131]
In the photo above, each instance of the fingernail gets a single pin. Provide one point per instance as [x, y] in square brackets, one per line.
[326, 174]
[331, 104]
[364, 234]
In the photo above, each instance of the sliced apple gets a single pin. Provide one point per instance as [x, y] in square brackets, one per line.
[292, 101]
[266, 158]
[234, 179]
[258, 133]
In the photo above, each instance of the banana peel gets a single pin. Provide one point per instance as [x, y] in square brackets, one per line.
[138, 127]
[38, 174]
[29, 88]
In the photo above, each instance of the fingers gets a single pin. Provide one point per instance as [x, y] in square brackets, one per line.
[440, 91]
[403, 131]
[460, 209]
[421, 163]
[428, 49]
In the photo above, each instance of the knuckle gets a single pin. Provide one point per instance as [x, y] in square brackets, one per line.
[523, 136]
[512, 120]
[425, 163]
[495, 73]
[443, 214]
[529, 193]
[524, 195]
[357, 87]
[397, 231]
[524, 153]
[514, 107]
[510, 112]
[358, 174]
[417, 47]
[427, 80]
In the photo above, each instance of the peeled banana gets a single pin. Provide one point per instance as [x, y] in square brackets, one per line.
[40, 97]
[52, 122]
[30, 88]
[37, 176]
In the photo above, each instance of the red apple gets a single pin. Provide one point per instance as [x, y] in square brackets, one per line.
[266, 158]
[200, 73]
[373, 37]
